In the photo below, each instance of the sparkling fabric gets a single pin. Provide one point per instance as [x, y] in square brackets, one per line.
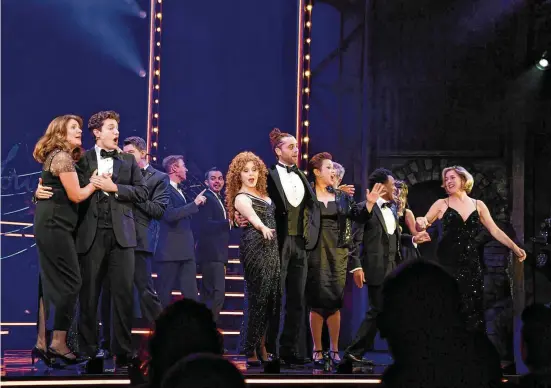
[458, 252]
[59, 161]
[262, 271]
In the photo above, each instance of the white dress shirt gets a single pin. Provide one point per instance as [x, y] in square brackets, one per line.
[105, 165]
[292, 186]
[175, 185]
[388, 216]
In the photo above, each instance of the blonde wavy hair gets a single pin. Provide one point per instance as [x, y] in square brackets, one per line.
[401, 196]
[233, 178]
[464, 175]
[55, 137]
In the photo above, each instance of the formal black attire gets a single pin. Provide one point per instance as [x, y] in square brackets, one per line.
[212, 251]
[262, 272]
[55, 221]
[458, 253]
[106, 237]
[285, 184]
[408, 252]
[328, 235]
[146, 216]
[175, 254]
[380, 254]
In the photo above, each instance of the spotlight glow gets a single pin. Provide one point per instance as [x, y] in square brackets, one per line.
[142, 73]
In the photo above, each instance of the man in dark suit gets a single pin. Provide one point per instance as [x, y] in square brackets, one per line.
[212, 245]
[106, 234]
[381, 238]
[176, 252]
[147, 218]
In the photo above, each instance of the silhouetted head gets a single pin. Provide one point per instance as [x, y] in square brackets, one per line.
[536, 336]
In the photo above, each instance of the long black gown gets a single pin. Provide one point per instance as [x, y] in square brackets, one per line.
[458, 252]
[55, 221]
[262, 271]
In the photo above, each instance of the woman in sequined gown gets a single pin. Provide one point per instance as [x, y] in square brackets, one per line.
[461, 218]
[54, 224]
[246, 193]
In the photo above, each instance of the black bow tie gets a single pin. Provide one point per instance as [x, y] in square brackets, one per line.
[108, 154]
[386, 204]
[289, 169]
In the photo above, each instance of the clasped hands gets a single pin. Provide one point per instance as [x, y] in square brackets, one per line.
[104, 183]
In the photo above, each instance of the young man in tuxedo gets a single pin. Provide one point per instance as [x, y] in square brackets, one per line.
[212, 244]
[106, 234]
[175, 254]
[381, 238]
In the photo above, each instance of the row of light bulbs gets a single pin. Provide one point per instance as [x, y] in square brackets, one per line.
[156, 84]
[306, 78]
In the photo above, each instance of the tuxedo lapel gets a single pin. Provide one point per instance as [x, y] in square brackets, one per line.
[277, 181]
[148, 174]
[92, 162]
[177, 194]
[117, 162]
[379, 215]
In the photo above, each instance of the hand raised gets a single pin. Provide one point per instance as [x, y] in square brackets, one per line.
[348, 189]
[376, 193]
[200, 199]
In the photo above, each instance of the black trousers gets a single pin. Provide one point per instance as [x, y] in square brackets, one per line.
[107, 259]
[149, 302]
[184, 271]
[294, 268]
[213, 286]
[365, 337]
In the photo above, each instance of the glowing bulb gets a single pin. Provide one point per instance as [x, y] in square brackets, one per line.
[308, 24]
[158, 58]
[307, 73]
[309, 7]
[307, 57]
[304, 156]
[306, 123]
[305, 172]
[160, 15]
[157, 87]
[159, 1]
[155, 144]
[156, 115]
[157, 72]
[306, 106]
[306, 139]
[156, 101]
[306, 90]
[154, 158]
[308, 40]
[155, 129]
[158, 29]
[142, 73]
[158, 43]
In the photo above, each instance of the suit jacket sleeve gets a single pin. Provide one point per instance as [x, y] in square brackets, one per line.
[135, 192]
[156, 207]
[357, 237]
[173, 214]
[406, 240]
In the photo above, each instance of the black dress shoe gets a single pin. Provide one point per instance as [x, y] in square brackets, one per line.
[295, 359]
[359, 360]
[273, 366]
[345, 367]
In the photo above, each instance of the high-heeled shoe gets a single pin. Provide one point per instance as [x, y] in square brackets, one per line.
[37, 353]
[63, 357]
[318, 361]
[332, 354]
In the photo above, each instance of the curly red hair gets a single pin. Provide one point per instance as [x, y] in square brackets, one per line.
[233, 178]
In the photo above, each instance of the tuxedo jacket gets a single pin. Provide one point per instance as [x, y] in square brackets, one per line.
[213, 231]
[131, 189]
[277, 194]
[374, 257]
[176, 237]
[148, 213]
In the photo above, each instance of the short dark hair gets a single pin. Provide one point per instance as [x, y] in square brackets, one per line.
[97, 119]
[317, 160]
[380, 175]
[170, 160]
[212, 169]
[536, 334]
[137, 142]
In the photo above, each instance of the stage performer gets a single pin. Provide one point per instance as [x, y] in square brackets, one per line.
[328, 235]
[406, 219]
[258, 249]
[457, 249]
[382, 240]
[106, 235]
[55, 222]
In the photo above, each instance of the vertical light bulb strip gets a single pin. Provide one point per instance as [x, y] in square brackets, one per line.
[154, 78]
[306, 76]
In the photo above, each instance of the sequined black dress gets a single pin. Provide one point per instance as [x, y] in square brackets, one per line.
[262, 270]
[458, 252]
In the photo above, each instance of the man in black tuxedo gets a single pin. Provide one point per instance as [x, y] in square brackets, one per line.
[212, 245]
[381, 238]
[147, 218]
[106, 234]
[176, 251]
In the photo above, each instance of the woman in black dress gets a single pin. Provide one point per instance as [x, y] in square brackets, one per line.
[406, 219]
[54, 224]
[246, 193]
[462, 217]
[328, 235]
